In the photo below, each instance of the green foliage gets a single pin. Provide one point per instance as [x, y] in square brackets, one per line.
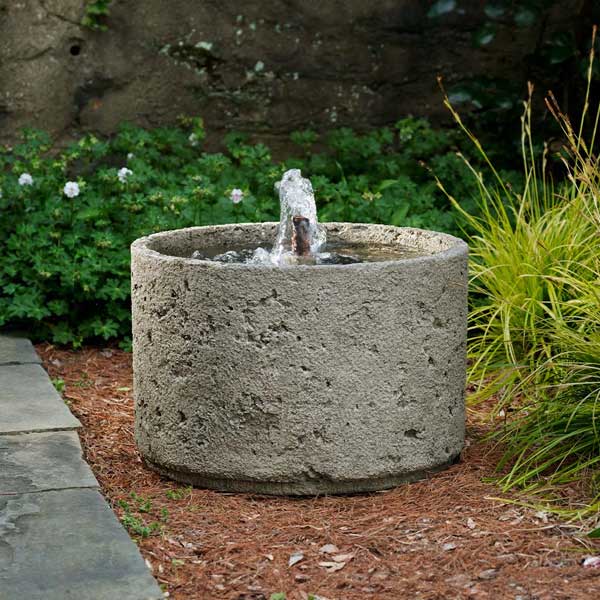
[136, 524]
[95, 13]
[535, 318]
[59, 384]
[142, 504]
[556, 60]
[441, 7]
[178, 494]
[595, 533]
[64, 261]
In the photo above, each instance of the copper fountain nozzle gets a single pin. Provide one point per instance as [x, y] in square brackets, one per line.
[301, 236]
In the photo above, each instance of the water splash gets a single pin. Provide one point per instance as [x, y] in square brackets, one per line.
[300, 239]
[299, 233]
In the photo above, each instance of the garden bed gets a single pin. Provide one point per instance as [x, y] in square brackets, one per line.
[445, 537]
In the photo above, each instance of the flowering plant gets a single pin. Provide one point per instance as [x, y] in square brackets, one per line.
[25, 179]
[69, 217]
[236, 195]
[71, 189]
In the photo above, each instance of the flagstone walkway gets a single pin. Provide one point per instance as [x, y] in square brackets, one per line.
[59, 539]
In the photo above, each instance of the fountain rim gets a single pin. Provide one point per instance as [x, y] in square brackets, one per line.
[457, 247]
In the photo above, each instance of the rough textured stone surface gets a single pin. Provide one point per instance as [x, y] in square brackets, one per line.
[29, 402]
[265, 67]
[304, 379]
[68, 545]
[17, 350]
[35, 462]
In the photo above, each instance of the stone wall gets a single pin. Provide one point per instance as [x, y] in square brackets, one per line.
[265, 66]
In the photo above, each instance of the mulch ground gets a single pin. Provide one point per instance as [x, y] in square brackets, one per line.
[444, 537]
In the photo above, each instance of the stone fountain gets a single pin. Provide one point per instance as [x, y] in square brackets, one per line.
[290, 373]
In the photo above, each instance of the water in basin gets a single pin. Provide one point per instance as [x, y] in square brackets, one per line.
[300, 239]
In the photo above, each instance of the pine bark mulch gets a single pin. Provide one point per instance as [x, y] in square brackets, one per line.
[445, 537]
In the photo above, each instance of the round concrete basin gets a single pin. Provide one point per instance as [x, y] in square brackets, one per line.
[300, 379]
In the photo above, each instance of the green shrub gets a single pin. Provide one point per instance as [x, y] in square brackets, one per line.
[64, 261]
[96, 12]
[535, 319]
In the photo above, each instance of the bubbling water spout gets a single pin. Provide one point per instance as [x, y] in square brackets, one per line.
[300, 239]
[299, 233]
[301, 236]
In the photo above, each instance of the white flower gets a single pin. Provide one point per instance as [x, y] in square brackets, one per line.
[193, 139]
[130, 156]
[236, 195]
[123, 174]
[71, 189]
[25, 179]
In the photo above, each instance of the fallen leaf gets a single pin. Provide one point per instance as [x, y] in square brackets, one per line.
[332, 567]
[542, 515]
[343, 557]
[269, 556]
[460, 580]
[487, 574]
[511, 515]
[449, 546]
[507, 558]
[592, 562]
[295, 558]
[329, 549]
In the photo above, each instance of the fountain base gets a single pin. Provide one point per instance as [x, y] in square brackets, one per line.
[309, 487]
[303, 379]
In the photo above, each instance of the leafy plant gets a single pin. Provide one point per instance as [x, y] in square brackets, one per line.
[95, 13]
[143, 504]
[557, 60]
[178, 494]
[535, 319]
[59, 384]
[135, 524]
[70, 215]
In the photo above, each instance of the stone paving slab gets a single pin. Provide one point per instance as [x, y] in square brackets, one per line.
[59, 539]
[36, 462]
[17, 350]
[29, 402]
[68, 545]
